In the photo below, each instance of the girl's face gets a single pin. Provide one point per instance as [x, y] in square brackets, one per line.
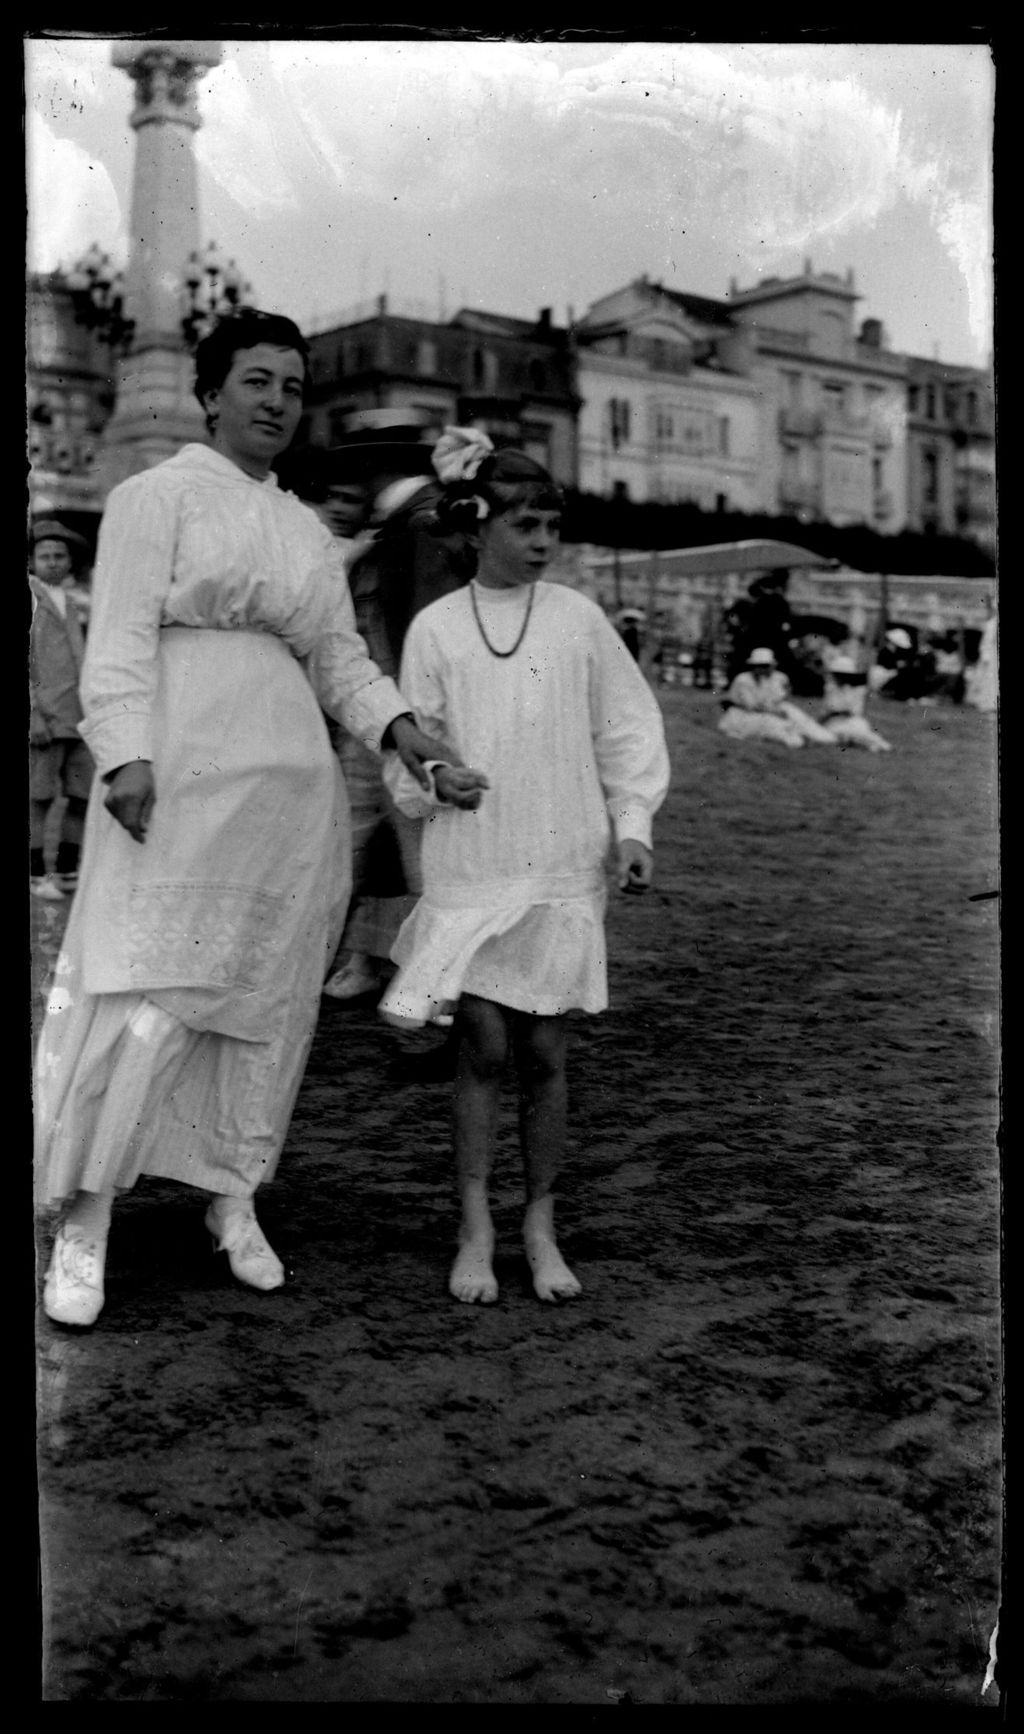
[258, 406]
[517, 546]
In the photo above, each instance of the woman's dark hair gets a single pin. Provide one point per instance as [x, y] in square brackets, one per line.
[505, 481]
[243, 329]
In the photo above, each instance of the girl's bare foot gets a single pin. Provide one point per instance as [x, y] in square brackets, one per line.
[472, 1277]
[552, 1278]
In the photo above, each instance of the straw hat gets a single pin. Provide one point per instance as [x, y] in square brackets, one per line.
[761, 659]
[52, 530]
[400, 440]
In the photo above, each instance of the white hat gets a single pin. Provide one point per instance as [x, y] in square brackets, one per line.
[761, 659]
[843, 665]
[901, 639]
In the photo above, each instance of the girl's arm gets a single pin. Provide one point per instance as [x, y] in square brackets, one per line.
[629, 737]
[422, 684]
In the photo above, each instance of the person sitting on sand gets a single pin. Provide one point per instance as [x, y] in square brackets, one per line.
[530, 681]
[846, 690]
[758, 706]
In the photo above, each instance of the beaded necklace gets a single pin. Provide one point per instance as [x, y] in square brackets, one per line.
[480, 624]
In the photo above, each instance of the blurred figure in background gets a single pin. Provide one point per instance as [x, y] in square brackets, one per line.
[846, 690]
[982, 680]
[402, 565]
[60, 763]
[758, 706]
[763, 621]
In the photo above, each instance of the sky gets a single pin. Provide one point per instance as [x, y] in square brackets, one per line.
[511, 176]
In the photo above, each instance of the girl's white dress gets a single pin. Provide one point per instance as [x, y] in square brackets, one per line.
[570, 736]
[188, 989]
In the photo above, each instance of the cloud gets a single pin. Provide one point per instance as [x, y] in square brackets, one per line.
[71, 201]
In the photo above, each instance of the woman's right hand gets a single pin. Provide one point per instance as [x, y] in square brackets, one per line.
[131, 797]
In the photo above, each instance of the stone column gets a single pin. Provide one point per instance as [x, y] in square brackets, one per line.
[156, 412]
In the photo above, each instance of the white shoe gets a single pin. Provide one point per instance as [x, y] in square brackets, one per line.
[355, 978]
[73, 1293]
[250, 1254]
[47, 888]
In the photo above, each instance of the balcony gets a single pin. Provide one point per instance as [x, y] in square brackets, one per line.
[800, 423]
[841, 421]
[797, 496]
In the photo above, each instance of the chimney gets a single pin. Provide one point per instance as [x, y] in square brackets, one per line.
[544, 321]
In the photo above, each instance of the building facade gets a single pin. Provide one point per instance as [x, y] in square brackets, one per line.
[663, 415]
[71, 394]
[834, 400]
[950, 451]
[514, 378]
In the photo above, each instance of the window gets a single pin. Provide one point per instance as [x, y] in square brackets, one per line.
[426, 356]
[929, 404]
[723, 438]
[931, 477]
[913, 398]
[538, 376]
[618, 421]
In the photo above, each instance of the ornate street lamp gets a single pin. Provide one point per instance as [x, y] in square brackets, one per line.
[97, 298]
[210, 288]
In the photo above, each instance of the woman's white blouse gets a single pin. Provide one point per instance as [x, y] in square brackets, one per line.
[196, 542]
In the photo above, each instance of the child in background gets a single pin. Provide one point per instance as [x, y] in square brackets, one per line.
[532, 684]
[845, 696]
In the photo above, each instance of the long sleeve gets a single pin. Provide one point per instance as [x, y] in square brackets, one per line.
[421, 683]
[131, 580]
[629, 738]
[348, 683]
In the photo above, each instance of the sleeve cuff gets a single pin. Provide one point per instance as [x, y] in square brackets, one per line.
[633, 822]
[114, 741]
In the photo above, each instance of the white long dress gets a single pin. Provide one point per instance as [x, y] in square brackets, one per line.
[571, 737]
[186, 996]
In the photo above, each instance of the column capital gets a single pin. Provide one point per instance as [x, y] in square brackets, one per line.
[165, 74]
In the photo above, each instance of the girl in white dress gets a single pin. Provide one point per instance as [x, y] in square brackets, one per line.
[531, 685]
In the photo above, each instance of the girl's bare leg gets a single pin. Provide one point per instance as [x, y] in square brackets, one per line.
[483, 1052]
[540, 1061]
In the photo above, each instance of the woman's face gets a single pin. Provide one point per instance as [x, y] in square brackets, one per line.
[517, 546]
[257, 408]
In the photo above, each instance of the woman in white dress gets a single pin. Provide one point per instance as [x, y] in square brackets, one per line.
[758, 706]
[213, 878]
[534, 687]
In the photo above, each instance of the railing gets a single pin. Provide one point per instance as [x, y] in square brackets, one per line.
[779, 338]
[803, 422]
[799, 495]
[374, 308]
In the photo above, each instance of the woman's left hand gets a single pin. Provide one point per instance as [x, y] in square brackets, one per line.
[635, 864]
[415, 749]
